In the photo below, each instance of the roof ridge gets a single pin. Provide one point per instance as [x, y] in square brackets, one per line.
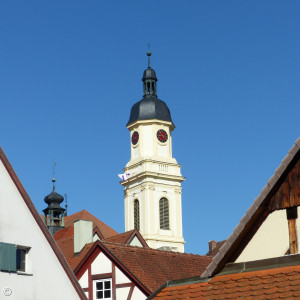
[154, 250]
[123, 233]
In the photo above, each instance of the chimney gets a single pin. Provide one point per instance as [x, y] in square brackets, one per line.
[83, 234]
[212, 245]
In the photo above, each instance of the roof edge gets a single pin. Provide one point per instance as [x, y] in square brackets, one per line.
[261, 264]
[218, 261]
[183, 281]
[41, 225]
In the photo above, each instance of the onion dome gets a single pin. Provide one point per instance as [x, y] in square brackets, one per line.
[54, 199]
[150, 107]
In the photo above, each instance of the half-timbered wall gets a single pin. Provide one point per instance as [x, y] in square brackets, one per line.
[273, 237]
[100, 267]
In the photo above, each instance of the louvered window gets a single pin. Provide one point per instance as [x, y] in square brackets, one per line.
[164, 213]
[136, 214]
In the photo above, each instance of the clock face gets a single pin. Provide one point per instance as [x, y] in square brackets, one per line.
[162, 136]
[135, 138]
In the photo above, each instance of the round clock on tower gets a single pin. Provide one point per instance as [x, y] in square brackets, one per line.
[153, 189]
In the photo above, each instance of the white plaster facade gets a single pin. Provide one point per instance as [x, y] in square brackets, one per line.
[44, 276]
[154, 174]
[271, 239]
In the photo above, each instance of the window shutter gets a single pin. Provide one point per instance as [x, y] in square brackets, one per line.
[8, 257]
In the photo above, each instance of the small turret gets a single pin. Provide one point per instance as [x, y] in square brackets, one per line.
[54, 213]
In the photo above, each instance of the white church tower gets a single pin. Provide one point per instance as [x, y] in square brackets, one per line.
[153, 188]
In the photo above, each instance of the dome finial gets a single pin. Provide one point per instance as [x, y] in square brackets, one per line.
[53, 178]
[149, 54]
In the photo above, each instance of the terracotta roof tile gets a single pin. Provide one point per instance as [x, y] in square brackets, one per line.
[105, 230]
[264, 284]
[120, 238]
[66, 246]
[68, 231]
[154, 267]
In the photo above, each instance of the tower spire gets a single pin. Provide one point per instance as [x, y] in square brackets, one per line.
[149, 78]
[149, 54]
[54, 214]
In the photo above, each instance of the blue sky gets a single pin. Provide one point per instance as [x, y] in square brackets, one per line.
[228, 70]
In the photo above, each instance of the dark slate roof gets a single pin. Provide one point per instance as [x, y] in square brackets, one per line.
[150, 107]
[54, 197]
[219, 260]
[149, 74]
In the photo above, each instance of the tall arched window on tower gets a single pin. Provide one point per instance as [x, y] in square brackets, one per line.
[136, 214]
[164, 213]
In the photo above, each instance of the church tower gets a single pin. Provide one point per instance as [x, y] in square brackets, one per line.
[153, 188]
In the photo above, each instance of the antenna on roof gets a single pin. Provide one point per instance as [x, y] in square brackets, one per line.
[66, 205]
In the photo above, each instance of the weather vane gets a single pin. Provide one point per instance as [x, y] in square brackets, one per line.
[148, 45]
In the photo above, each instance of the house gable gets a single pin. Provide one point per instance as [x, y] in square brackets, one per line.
[272, 215]
[132, 237]
[21, 226]
[99, 264]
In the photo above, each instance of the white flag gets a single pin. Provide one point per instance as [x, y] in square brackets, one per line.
[124, 176]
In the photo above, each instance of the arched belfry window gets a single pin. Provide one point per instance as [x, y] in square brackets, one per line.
[136, 214]
[164, 213]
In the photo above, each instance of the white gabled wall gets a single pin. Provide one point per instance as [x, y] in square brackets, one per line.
[84, 280]
[101, 265]
[271, 239]
[137, 294]
[123, 293]
[48, 279]
[136, 242]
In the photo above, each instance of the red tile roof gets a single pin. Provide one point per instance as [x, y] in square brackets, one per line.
[68, 231]
[121, 238]
[126, 238]
[66, 246]
[149, 266]
[265, 284]
[154, 267]
[105, 230]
